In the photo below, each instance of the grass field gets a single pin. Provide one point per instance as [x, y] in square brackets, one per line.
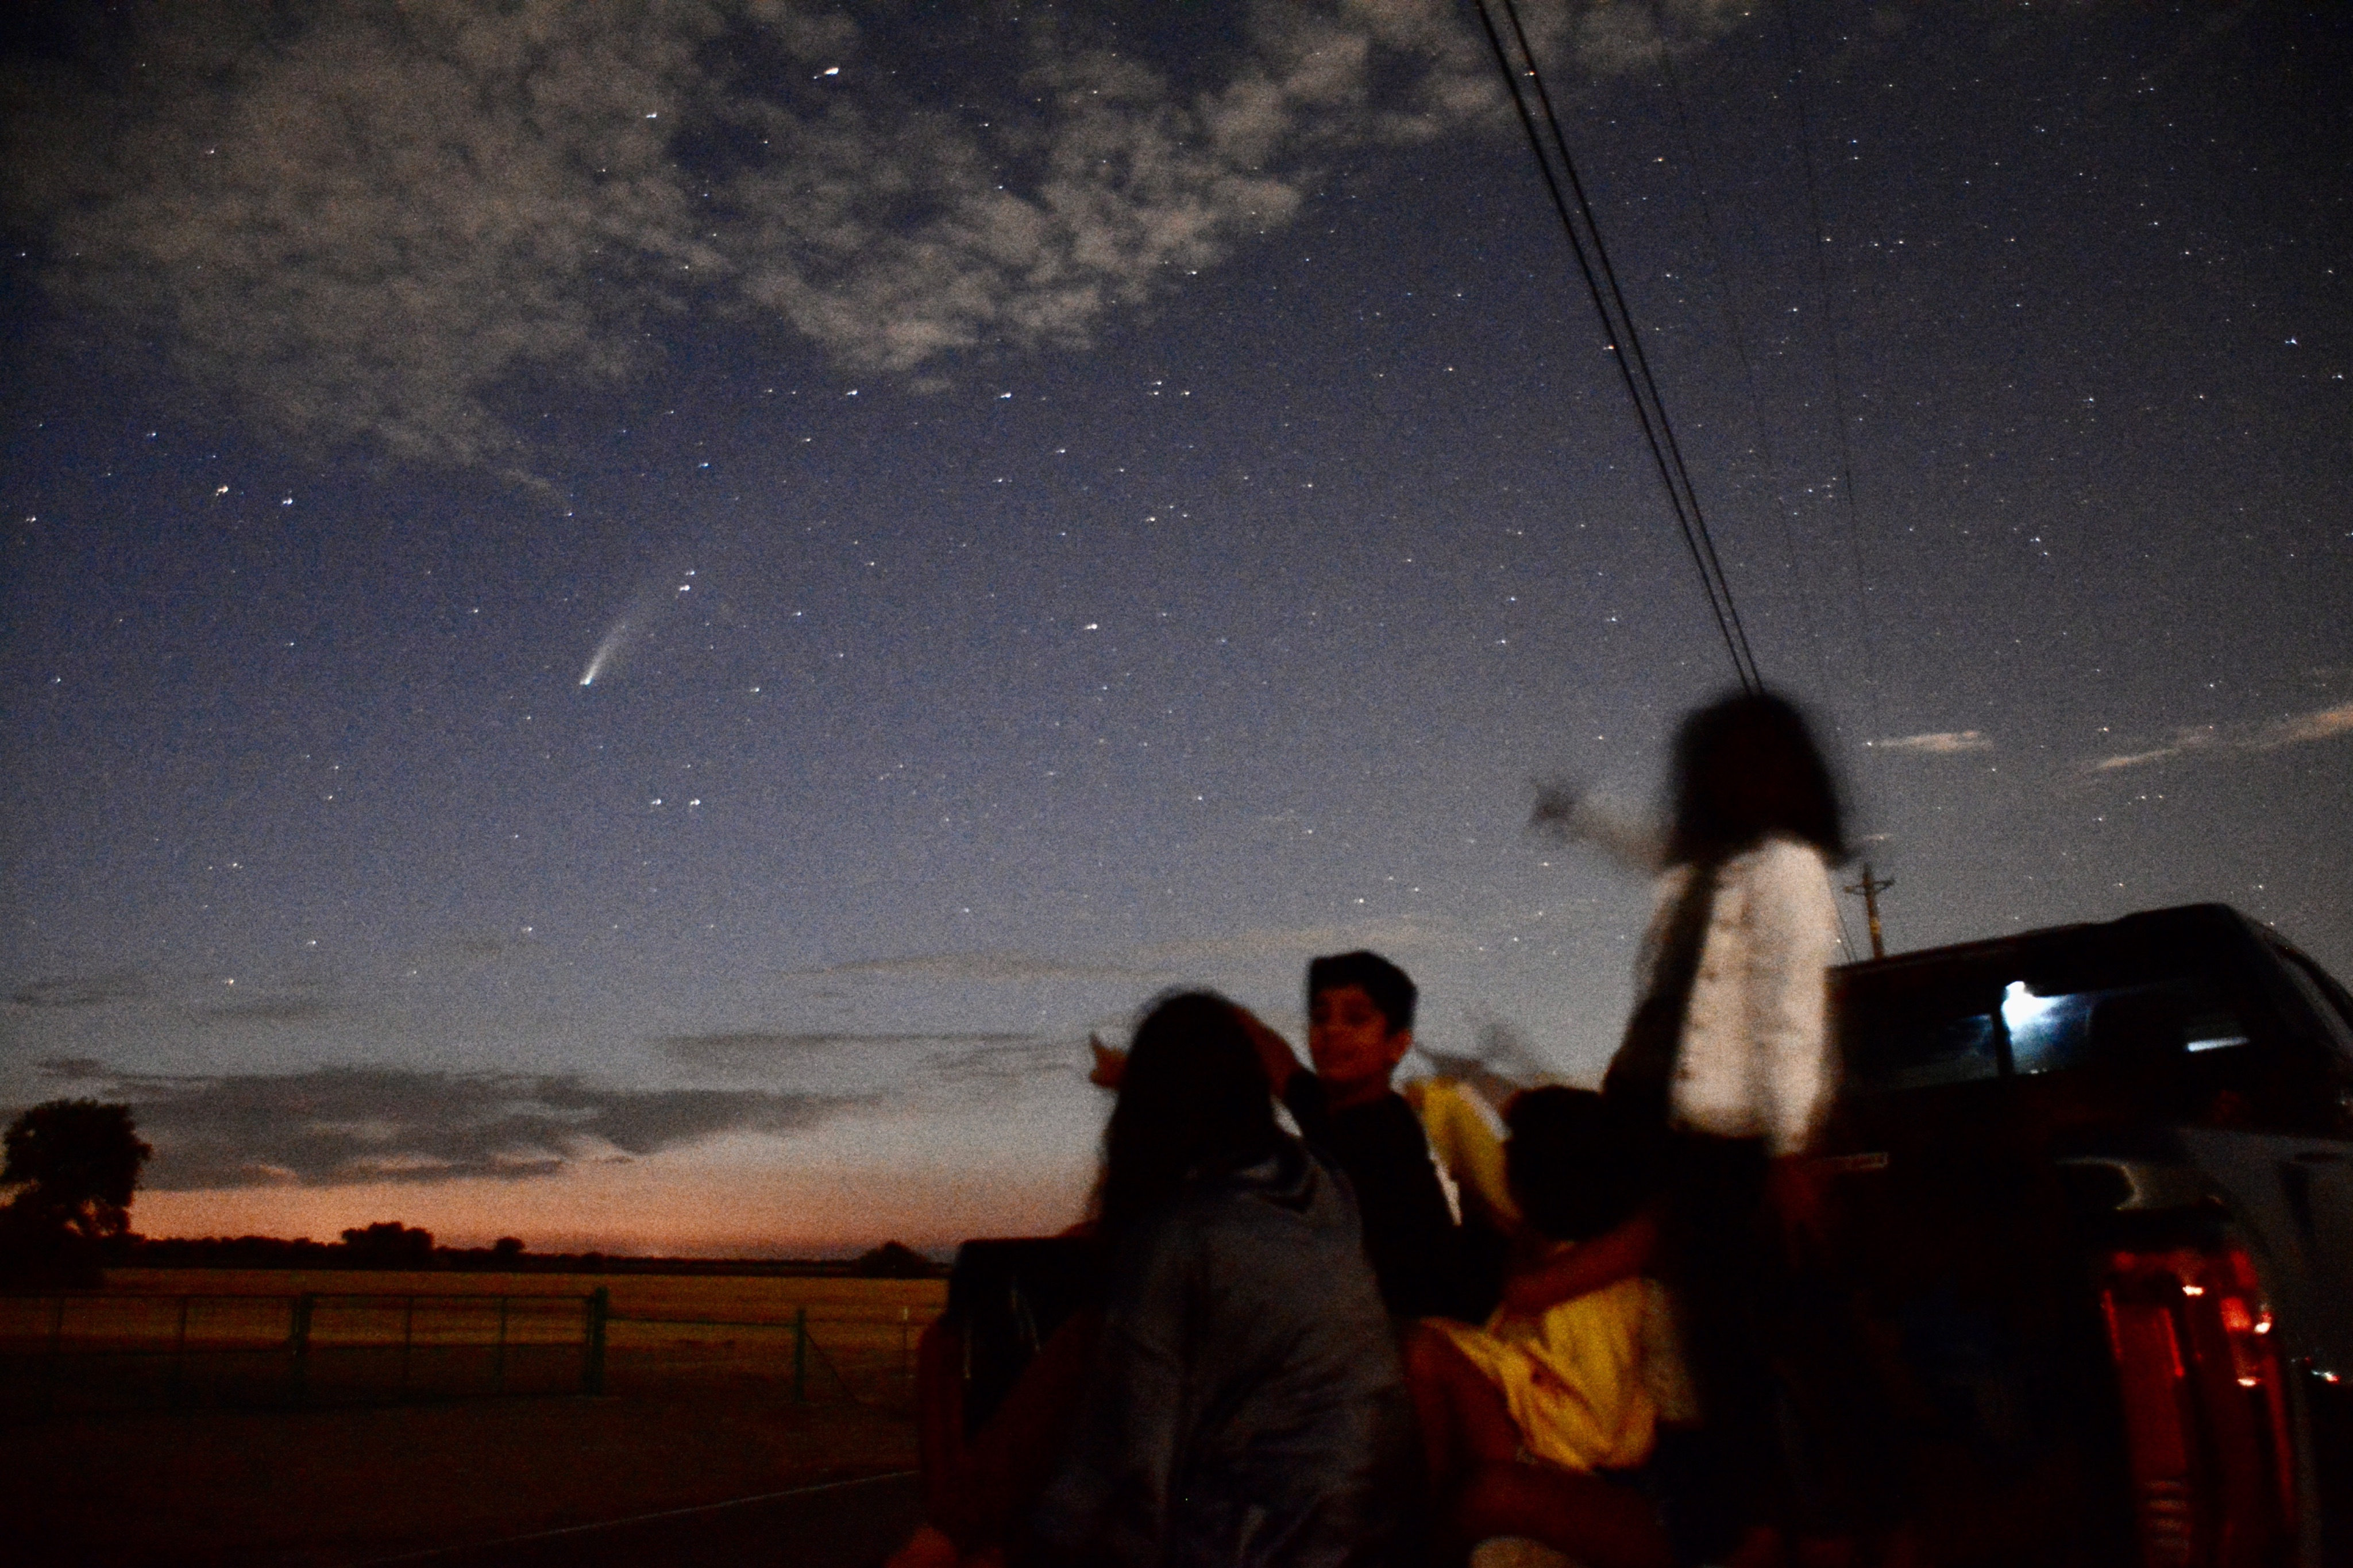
[698, 1409]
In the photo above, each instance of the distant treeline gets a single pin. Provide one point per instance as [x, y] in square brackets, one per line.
[390, 1244]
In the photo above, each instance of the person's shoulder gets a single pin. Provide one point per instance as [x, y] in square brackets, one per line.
[1789, 885]
[1296, 1182]
[1782, 859]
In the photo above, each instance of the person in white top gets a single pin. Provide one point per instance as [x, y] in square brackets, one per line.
[1729, 1054]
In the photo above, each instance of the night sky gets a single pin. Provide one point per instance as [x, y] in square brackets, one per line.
[624, 622]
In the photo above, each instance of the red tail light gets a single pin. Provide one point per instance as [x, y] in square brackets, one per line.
[2205, 1407]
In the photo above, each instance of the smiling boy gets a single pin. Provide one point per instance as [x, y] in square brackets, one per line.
[1359, 1027]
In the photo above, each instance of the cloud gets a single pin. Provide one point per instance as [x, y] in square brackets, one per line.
[330, 1126]
[1399, 934]
[2322, 724]
[1152, 961]
[372, 222]
[759, 1050]
[2297, 729]
[1938, 743]
[981, 968]
[274, 1010]
[998, 1064]
[80, 991]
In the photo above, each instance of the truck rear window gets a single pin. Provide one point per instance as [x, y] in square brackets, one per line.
[2125, 1022]
[1903, 1032]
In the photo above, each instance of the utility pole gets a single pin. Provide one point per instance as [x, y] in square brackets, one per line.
[1871, 888]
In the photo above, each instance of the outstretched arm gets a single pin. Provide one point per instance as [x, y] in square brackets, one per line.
[1614, 1254]
[1567, 811]
[1275, 1053]
[1109, 1067]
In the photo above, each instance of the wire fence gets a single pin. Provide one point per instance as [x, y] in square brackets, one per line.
[85, 1352]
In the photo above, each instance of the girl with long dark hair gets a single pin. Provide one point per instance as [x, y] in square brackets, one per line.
[1245, 1405]
[1729, 1056]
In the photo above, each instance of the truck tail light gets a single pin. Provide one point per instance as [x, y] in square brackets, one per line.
[2205, 1407]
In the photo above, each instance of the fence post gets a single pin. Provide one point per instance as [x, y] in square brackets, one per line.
[299, 1341]
[592, 1375]
[50, 1363]
[800, 1356]
[407, 1341]
[499, 1356]
[179, 1353]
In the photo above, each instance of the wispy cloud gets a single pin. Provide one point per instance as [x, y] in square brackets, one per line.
[274, 1010]
[754, 1050]
[2296, 730]
[80, 991]
[981, 968]
[1150, 963]
[370, 221]
[329, 1126]
[1937, 743]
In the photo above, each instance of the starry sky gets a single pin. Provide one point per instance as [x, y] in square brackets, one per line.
[624, 622]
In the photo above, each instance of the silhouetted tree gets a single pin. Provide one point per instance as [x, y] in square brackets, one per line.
[507, 1250]
[73, 1165]
[388, 1244]
[893, 1260]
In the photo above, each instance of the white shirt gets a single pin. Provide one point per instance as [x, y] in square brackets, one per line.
[1755, 1060]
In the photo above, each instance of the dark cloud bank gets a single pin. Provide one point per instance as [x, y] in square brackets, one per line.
[332, 1126]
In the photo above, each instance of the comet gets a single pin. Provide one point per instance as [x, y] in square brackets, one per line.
[605, 651]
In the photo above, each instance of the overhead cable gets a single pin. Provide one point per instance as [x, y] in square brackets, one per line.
[1821, 248]
[1715, 245]
[1625, 342]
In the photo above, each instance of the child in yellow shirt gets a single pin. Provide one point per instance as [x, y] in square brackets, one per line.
[1523, 1417]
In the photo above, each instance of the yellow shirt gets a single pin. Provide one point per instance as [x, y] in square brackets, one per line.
[1467, 1140]
[1586, 1379]
[1572, 1376]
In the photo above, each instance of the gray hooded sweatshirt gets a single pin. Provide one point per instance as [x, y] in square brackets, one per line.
[1247, 1406]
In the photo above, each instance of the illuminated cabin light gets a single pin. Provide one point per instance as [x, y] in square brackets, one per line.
[2021, 1009]
[2189, 1289]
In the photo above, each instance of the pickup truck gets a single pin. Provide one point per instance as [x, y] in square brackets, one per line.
[2093, 1201]
[2091, 1193]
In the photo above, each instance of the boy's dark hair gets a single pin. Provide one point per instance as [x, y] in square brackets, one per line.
[1380, 979]
[1747, 766]
[1577, 1164]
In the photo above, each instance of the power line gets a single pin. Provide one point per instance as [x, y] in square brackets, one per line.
[1626, 347]
[1711, 241]
[1820, 247]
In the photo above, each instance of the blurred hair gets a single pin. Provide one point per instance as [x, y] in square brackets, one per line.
[1383, 982]
[1747, 767]
[1192, 1099]
[1577, 1164]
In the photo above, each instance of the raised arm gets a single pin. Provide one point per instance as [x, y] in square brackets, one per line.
[1275, 1053]
[1575, 814]
[1614, 1254]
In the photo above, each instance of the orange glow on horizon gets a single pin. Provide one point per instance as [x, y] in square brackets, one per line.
[651, 1208]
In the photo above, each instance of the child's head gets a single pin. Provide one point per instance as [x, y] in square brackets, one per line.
[1359, 1021]
[1577, 1164]
[1745, 766]
[1192, 1094]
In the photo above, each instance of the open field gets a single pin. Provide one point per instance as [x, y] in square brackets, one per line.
[695, 1411]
